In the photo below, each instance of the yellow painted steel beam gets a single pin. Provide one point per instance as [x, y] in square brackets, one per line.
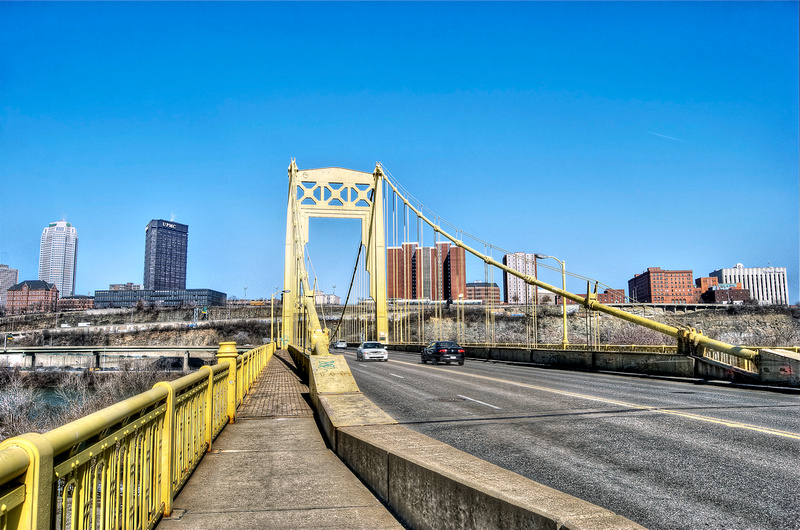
[331, 193]
[689, 335]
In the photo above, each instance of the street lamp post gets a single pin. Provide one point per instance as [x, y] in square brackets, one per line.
[272, 313]
[564, 340]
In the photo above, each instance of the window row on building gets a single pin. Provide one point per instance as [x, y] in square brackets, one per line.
[426, 273]
[162, 298]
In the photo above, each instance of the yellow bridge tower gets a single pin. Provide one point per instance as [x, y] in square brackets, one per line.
[332, 193]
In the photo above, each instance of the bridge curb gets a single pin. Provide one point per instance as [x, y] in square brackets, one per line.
[432, 485]
[427, 483]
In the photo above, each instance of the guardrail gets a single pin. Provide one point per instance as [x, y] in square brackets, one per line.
[121, 467]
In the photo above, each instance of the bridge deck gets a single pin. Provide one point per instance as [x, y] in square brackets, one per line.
[272, 469]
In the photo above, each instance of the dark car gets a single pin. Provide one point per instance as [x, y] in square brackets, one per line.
[443, 351]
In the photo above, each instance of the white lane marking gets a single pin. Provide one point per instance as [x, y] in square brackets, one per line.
[476, 401]
[398, 376]
[698, 417]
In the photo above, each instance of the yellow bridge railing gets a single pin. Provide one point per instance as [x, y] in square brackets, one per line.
[122, 466]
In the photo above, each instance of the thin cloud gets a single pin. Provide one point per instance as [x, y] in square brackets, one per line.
[665, 136]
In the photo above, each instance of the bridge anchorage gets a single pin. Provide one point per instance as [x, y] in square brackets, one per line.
[389, 213]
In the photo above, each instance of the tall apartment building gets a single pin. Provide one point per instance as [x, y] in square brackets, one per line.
[8, 277]
[767, 285]
[58, 256]
[515, 289]
[483, 291]
[656, 286]
[433, 273]
[165, 252]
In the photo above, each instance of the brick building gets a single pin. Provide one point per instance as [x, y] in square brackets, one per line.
[483, 291]
[32, 296]
[656, 286]
[710, 291]
[706, 284]
[609, 296]
[726, 294]
[78, 302]
[432, 273]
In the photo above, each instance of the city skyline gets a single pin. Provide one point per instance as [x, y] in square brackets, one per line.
[615, 137]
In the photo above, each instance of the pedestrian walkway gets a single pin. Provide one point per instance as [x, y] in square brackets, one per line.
[272, 469]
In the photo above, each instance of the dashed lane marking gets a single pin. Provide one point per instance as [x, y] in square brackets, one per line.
[476, 401]
[698, 417]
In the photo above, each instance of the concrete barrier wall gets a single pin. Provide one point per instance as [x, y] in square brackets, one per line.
[434, 486]
[427, 483]
[641, 363]
[780, 367]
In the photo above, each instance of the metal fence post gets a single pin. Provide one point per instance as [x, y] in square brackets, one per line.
[228, 353]
[209, 407]
[168, 449]
[38, 480]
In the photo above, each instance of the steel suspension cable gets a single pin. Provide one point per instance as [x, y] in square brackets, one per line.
[682, 334]
[349, 289]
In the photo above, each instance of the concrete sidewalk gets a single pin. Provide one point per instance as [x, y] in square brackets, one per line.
[272, 469]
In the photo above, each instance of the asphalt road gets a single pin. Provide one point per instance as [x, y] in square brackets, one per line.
[665, 454]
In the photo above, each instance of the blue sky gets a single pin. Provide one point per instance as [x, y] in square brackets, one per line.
[616, 136]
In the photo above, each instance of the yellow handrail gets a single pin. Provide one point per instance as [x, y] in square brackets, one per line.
[121, 467]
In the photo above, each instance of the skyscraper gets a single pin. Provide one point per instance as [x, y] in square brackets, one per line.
[8, 277]
[165, 255]
[58, 256]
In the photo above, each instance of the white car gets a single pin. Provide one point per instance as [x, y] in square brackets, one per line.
[340, 344]
[372, 351]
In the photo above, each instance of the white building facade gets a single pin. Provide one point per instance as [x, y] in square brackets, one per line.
[8, 278]
[58, 256]
[767, 285]
[516, 291]
[320, 298]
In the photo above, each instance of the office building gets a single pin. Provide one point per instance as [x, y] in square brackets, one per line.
[126, 286]
[608, 296]
[8, 277]
[726, 293]
[78, 302]
[706, 284]
[766, 285]
[426, 273]
[58, 256]
[32, 296]
[483, 291]
[656, 286]
[162, 298]
[515, 289]
[165, 255]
